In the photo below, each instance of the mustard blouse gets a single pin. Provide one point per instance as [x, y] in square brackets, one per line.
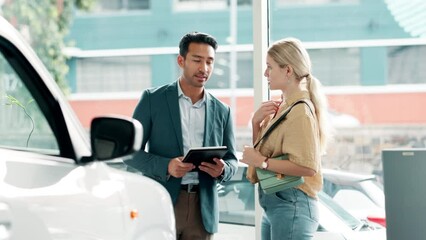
[298, 136]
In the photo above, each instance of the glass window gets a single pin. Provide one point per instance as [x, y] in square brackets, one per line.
[369, 60]
[194, 5]
[336, 67]
[121, 5]
[313, 2]
[353, 200]
[221, 74]
[113, 74]
[22, 124]
[236, 200]
[242, 2]
[220, 78]
[405, 64]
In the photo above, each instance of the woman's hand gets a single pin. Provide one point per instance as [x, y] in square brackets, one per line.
[267, 108]
[252, 157]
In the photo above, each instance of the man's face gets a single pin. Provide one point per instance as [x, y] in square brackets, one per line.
[198, 64]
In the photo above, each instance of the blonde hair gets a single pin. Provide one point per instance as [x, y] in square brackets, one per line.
[289, 51]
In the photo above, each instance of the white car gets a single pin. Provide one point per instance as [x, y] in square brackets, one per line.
[360, 194]
[54, 182]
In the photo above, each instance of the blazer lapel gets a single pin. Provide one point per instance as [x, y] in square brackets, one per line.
[210, 116]
[173, 104]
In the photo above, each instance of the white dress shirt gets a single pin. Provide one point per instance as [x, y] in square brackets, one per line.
[192, 117]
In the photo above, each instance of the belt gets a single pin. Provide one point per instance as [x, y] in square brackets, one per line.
[190, 188]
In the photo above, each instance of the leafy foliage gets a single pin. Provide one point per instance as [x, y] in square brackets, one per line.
[45, 23]
[12, 101]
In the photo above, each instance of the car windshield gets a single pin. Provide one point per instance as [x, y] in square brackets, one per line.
[361, 195]
[374, 189]
[345, 216]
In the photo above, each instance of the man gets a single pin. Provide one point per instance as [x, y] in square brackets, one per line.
[179, 116]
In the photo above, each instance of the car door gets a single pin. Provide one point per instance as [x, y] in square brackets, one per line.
[42, 150]
[73, 202]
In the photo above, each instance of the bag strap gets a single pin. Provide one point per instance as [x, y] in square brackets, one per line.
[279, 120]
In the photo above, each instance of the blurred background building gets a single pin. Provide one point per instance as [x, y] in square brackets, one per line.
[367, 53]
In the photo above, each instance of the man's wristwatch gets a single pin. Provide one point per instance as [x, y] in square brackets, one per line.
[265, 164]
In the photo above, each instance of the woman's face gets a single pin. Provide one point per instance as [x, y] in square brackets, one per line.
[276, 75]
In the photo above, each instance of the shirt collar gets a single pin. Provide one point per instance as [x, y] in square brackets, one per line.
[197, 104]
[303, 94]
[180, 92]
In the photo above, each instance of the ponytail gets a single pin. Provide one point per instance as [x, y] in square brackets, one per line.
[319, 100]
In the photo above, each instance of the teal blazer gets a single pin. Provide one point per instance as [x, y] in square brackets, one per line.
[158, 111]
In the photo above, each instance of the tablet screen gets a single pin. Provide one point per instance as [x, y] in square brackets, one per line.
[204, 154]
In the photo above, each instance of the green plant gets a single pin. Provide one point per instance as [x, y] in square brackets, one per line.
[45, 24]
[12, 101]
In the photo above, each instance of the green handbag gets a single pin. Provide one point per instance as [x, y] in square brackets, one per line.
[272, 182]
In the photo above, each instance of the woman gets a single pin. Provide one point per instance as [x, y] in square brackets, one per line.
[290, 213]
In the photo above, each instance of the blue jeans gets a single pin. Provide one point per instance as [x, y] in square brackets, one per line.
[289, 214]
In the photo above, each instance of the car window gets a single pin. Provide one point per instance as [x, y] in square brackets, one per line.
[236, 200]
[22, 123]
[374, 190]
[354, 200]
[366, 194]
[350, 220]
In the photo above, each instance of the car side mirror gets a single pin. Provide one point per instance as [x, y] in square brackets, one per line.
[113, 137]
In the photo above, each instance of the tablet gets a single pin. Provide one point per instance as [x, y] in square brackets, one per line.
[204, 154]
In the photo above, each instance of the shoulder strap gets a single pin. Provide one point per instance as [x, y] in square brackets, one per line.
[279, 120]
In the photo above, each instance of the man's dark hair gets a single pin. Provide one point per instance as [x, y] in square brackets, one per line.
[195, 37]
